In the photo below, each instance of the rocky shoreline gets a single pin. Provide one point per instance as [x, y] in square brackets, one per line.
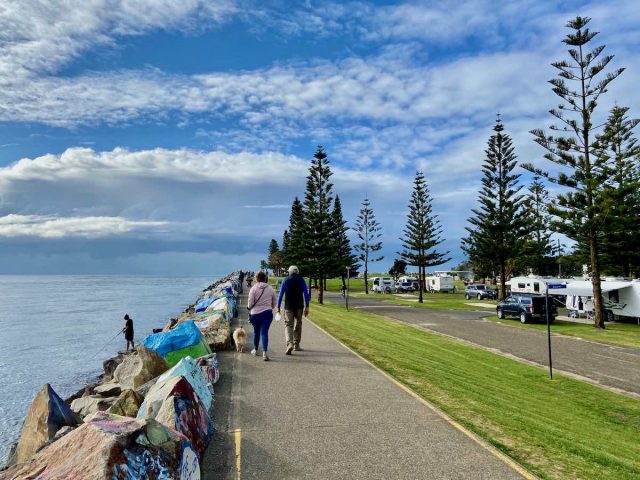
[147, 416]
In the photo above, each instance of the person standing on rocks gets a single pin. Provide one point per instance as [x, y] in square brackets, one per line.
[296, 303]
[128, 331]
[261, 302]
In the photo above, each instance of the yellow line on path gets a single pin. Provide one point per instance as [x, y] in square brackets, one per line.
[480, 441]
[238, 440]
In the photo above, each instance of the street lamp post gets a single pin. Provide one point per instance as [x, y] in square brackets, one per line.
[347, 297]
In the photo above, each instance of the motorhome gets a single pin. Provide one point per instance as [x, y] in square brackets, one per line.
[534, 285]
[621, 298]
[383, 285]
[442, 284]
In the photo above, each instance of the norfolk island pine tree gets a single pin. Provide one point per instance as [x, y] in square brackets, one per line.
[368, 232]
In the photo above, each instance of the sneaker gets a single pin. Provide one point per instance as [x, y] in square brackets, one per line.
[297, 348]
[289, 350]
[254, 352]
[265, 357]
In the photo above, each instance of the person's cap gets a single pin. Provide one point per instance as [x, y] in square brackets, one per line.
[293, 269]
[126, 316]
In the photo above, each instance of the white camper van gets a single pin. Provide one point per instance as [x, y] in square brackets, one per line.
[383, 285]
[534, 285]
[442, 284]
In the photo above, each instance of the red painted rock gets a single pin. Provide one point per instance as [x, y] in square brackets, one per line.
[139, 367]
[114, 448]
[47, 414]
[174, 403]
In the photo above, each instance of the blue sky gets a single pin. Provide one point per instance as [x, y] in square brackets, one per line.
[169, 137]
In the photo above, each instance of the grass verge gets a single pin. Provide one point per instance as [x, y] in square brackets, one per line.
[560, 429]
[621, 334]
[440, 301]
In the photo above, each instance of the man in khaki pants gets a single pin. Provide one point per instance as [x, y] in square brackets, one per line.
[296, 302]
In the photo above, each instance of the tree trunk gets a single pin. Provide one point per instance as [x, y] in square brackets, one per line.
[320, 288]
[420, 283]
[595, 281]
[366, 280]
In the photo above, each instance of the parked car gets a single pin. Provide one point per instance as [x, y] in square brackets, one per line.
[405, 287]
[479, 291]
[526, 308]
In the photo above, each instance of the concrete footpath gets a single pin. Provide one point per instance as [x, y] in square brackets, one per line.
[324, 413]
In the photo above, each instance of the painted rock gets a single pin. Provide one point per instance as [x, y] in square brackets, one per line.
[114, 448]
[188, 368]
[127, 404]
[47, 414]
[210, 369]
[174, 403]
[139, 368]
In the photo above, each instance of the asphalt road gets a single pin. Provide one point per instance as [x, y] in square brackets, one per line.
[610, 366]
[326, 414]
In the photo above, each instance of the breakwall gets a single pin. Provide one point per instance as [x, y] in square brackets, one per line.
[147, 417]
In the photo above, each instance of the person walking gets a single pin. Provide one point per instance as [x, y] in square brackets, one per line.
[240, 280]
[128, 331]
[296, 302]
[261, 302]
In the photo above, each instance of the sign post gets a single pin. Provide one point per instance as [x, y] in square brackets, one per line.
[548, 315]
[347, 297]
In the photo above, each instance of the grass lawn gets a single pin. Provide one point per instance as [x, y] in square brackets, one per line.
[623, 334]
[440, 301]
[560, 429]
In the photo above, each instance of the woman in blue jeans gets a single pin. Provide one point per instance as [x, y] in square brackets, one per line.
[261, 302]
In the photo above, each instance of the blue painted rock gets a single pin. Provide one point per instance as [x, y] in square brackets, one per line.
[47, 414]
[174, 403]
[114, 448]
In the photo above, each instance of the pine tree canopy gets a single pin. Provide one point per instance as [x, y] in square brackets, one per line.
[422, 231]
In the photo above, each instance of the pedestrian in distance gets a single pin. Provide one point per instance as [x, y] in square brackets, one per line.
[296, 303]
[240, 281]
[249, 279]
[261, 302]
[128, 331]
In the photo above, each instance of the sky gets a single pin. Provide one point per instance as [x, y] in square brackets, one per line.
[170, 138]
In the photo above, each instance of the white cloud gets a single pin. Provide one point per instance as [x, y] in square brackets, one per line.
[41, 36]
[182, 165]
[88, 227]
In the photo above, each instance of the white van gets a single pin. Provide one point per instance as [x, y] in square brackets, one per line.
[383, 285]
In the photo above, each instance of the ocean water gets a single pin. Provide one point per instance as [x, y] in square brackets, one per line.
[53, 330]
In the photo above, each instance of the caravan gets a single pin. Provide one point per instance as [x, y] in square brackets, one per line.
[621, 298]
[534, 285]
[442, 284]
[383, 285]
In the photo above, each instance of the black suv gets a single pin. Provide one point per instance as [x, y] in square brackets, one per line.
[526, 307]
[479, 291]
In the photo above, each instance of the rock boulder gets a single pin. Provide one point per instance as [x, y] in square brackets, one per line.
[112, 447]
[47, 414]
[110, 389]
[90, 404]
[109, 366]
[139, 367]
[174, 403]
[127, 404]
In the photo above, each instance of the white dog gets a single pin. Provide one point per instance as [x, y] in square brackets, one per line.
[239, 337]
